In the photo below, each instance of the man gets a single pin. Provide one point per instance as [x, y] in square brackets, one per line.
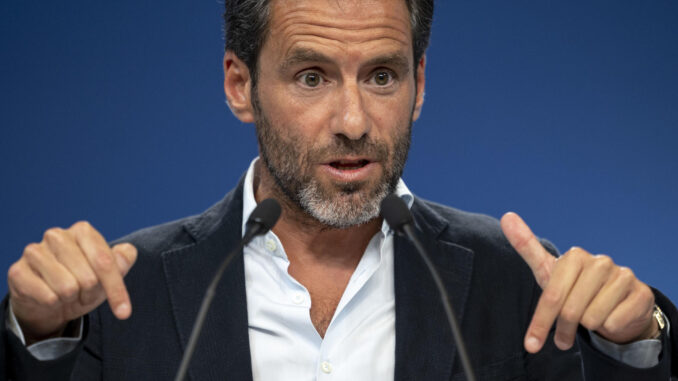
[333, 88]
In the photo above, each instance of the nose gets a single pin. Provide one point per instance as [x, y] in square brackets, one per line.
[351, 118]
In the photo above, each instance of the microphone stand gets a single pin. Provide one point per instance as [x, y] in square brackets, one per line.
[456, 331]
[204, 307]
[261, 220]
[399, 218]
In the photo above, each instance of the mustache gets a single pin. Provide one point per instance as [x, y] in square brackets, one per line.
[343, 146]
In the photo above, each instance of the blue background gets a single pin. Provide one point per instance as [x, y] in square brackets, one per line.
[565, 112]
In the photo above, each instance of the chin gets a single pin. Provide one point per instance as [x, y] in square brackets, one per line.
[349, 206]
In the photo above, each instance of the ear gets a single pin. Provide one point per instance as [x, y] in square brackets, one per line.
[238, 87]
[421, 84]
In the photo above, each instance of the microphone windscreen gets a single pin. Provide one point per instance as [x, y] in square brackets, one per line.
[266, 214]
[395, 212]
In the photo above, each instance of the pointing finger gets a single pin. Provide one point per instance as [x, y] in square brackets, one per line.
[550, 305]
[105, 265]
[528, 246]
[125, 256]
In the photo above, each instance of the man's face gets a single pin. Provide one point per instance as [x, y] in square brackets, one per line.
[334, 104]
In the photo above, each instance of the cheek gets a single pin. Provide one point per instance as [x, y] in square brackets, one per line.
[392, 126]
[300, 119]
[390, 111]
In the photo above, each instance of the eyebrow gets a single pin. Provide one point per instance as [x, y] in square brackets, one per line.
[302, 55]
[305, 55]
[396, 60]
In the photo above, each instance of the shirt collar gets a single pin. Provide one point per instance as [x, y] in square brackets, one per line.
[249, 203]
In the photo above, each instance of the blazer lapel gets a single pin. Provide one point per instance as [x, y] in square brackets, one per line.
[223, 349]
[425, 347]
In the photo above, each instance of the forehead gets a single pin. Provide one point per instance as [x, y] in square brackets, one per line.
[345, 25]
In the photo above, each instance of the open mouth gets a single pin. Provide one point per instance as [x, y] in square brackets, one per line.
[347, 165]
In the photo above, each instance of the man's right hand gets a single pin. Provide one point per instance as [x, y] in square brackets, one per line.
[67, 275]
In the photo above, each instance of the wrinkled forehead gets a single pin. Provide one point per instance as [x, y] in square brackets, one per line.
[337, 22]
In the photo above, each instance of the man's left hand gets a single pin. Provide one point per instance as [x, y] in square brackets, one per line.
[580, 288]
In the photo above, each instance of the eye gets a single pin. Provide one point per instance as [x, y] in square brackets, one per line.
[311, 79]
[383, 78]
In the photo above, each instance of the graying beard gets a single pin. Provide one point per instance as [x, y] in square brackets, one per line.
[309, 195]
[345, 213]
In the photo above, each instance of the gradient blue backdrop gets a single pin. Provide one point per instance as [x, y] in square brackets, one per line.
[565, 112]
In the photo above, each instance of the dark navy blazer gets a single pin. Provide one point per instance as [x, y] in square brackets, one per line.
[491, 288]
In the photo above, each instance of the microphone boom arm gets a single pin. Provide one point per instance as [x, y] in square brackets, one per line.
[454, 325]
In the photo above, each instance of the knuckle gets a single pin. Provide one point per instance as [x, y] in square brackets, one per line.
[572, 257]
[569, 314]
[580, 255]
[18, 292]
[103, 261]
[15, 272]
[591, 322]
[574, 251]
[610, 325]
[544, 272]
[552, 297]
[88, 282]
[68, 290]
[88, 298]
[626, 275]
[32, 252]
[81, 226]
[645, 295]
[53, 235]
[603, 262]
[93, 294]
[50, 300]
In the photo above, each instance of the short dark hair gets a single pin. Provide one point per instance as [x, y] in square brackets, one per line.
[246, 25]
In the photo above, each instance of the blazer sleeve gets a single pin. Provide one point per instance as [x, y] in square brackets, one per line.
[598, 366]
[19, 365]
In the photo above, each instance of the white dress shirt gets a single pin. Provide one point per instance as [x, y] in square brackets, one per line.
[359, 343]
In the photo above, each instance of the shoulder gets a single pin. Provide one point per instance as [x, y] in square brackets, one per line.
[178, 234]
[463, 227]
[160, 238]
[499, 274]
[476, 231]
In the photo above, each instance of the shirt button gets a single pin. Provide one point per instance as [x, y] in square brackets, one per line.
[270, 245]
[326, 367]
[298, 298]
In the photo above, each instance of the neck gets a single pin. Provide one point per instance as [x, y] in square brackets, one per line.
[306, 239]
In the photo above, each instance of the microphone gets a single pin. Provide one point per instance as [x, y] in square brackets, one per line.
[261, 220]
[395, 212]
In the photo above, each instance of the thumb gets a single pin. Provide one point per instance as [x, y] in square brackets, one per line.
[528, 246]
[125, 256]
